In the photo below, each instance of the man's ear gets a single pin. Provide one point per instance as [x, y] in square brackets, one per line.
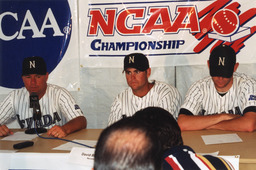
[148, 72]
[208, 63]
[47, 75]
[236, 66]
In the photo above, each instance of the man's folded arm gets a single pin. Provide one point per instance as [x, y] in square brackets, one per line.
[245, 123]
[188, 121]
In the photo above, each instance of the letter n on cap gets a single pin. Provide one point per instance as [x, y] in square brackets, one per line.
[32, 64]
[131, 59]
[221, 61]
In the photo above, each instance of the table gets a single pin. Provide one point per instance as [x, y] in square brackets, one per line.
[46, 145]
[246, 149]
[41, 155]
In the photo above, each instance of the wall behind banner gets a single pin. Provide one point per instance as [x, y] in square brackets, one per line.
[93, 72]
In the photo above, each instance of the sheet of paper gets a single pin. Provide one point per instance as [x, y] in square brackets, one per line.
[82, 156]
[222, 138]
[69, 145]
[20, 136]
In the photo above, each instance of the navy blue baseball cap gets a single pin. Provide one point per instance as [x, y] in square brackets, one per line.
[222, 61]
[34, 65]
[136, 60]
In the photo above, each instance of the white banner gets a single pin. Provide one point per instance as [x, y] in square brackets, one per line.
[169, 32]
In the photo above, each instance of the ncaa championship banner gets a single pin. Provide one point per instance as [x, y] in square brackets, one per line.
[46, 28]
[170, 33]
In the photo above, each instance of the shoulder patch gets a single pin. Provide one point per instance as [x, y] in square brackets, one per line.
[252, 97]
[77, 107]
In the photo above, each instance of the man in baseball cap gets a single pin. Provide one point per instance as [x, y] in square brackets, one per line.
[137, 64]
[57, 109]
[34, 68]
[142, 92]
[226, 97]
[222, 64]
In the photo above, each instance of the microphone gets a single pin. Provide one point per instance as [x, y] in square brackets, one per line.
[34, 103]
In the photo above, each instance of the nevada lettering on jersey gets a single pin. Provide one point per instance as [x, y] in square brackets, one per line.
[46, 121]
[29, 23]
[236, 111]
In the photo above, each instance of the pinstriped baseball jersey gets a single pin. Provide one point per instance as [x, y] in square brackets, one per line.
[160, 95]
[203, 98]
[57, 107]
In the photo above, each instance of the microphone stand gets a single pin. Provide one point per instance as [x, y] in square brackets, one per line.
[34, 103]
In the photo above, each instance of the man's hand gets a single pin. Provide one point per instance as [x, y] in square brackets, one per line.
[57, 132]
[73, 125]
[5, 131]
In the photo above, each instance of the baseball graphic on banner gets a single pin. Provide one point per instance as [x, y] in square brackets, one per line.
[225, 22]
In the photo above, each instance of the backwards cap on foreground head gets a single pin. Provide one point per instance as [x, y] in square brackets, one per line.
[126, 145]
[222, 61]
[34, 65]
[163, 123]
[136, 60]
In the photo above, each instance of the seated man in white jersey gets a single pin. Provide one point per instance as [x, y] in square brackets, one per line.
[59, 111]
[142, 93]
[226, 100]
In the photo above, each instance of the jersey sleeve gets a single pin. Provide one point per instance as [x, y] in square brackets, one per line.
[68, 106]
[7, 109]
[185, 112]
[193, 99]
[248, 96]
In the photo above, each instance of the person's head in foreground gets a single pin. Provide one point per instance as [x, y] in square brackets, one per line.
[222, 65]
[164, 125]
[127, 145]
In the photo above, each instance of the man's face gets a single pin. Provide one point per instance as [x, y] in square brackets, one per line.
[136, 79]
[36, 83]
[222, 84]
